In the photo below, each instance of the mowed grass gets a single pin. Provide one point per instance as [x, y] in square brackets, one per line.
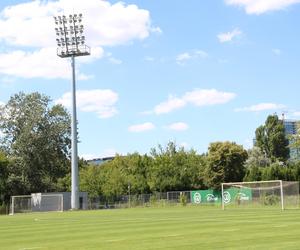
[185, 228]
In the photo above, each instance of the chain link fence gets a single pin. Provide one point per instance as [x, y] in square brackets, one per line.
[140, 200]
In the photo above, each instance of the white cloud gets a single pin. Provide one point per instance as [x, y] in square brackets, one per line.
[171, 104]
[197, 97]
[1, 133]
[149, 59]
[184, 144]
[141, 127]
[88, 156]
[201, 53]
[7, 80]
[223, 61]
[248, 143]
[296, 113]
[109, 152]
[115, 60]
[208, 97]
[261, 107]
[156, 30]
[182, 58]
[31, 25]
[41, 63]
[178, 126]
[99, 101]
[112, 59]
[229, 36]
[277, 52]
[261, 6]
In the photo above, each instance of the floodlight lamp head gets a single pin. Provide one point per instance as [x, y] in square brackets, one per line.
[70, 40]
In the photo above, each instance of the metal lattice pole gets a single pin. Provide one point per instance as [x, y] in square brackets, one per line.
[71, 43]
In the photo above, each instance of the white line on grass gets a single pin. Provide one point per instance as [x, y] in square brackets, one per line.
[30, 248]
[232, 230]
[115, 240]
[174, 235]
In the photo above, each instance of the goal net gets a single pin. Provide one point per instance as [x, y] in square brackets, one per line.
[36, 202]
[280, 194]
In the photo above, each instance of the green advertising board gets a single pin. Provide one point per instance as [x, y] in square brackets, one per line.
[230, 195]
[233, 195]
[205, 196]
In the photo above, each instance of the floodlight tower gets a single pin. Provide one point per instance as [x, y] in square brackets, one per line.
[71, 43]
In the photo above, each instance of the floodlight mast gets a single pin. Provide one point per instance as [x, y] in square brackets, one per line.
[71, 43]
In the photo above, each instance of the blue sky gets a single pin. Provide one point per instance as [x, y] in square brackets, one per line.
[192, 71]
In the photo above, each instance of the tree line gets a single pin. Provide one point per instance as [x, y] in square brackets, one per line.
[35, 157]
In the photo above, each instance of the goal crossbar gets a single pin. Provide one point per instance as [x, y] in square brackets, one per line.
[250, 182]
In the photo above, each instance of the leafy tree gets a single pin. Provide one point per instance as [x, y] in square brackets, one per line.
[253, 174]
[37, 139]
[124, 171]
[225, 163]
[3, 177]
[175, 169]
[257, 158]
[114, 181]
[91, 180]
[271, 139]
[295, 139]
[274, 172]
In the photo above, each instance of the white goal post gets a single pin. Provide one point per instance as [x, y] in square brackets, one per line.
[36, 202]
[277, 193]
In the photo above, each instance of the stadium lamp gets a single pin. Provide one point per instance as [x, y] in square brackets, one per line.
[71, 43]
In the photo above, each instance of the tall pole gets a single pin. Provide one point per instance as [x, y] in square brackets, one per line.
[129, 187]
[74, 164]
[222, 191]
[281, 194]
[71, 43]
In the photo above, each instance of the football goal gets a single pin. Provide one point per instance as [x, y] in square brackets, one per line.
[36, 202]
[280, 194]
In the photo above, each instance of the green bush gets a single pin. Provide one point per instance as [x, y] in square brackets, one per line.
[271, 200]
[182, 199]
[153, 200]
[3, 209]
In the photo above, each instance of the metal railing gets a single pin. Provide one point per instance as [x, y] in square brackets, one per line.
[139, 200]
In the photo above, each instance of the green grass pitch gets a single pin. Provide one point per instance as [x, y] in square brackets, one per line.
[153, 228]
